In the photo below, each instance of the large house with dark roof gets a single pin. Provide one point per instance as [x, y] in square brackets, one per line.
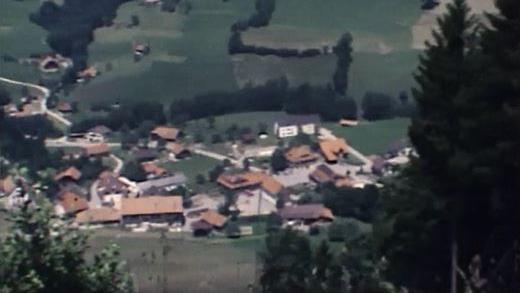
[307, 213]
[292, 125]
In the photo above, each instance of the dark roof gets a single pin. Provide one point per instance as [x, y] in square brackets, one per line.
[144, 154]
[305, 212]
[177, 179]
[288, 120]
[201, 225]
[109, 183]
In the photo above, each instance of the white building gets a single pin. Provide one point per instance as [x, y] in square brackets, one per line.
[292, 125]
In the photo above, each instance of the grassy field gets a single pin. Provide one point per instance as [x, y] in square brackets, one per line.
[382, 33]
[242, 120]
[19, 37]
[192, 166]
[188, 53]
[372, 137]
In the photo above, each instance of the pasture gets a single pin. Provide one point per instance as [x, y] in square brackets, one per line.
[19, 38]
[372, 137]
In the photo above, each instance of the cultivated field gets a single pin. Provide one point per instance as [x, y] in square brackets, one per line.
[19, 37]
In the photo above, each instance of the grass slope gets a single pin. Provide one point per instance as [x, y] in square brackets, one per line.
[372, 137]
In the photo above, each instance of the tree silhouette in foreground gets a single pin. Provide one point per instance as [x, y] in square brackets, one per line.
[42, 254]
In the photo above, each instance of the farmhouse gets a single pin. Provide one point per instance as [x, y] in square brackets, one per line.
[70, 203]
[101, 130]
[292, 125]
[156, 209]
[96, 150]
[69, 174]
[300, 155]
[103, 215]
[178, 150]
[142, 155]
[213, 218]
[7, 186]
[109, 183]
[64, 107]
[152, 170]
[307, 213]
[251, 180]
[165, 183]
[164, 133]
[332, 148]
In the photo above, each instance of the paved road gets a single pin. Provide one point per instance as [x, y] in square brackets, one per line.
[119, 164]
[95, 201]
[45, 93]
[219, 157]
[62, 142]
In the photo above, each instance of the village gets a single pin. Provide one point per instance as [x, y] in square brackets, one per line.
[251, 178]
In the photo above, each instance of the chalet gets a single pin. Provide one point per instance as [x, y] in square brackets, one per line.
[208, 221]
[69, 174]
[69, 203]
[292, 125]
[164, 133]
[101, 130]
[64, 107]
[300, 155]
[88, 73]
[178, 150]
[7, 186]
[95, 150]
[323, 174]
[156, 209]
[307, 213]
[348, 122]
[109, 183]
[103, 215]
[251, 180]
[152, 170]
[331, 149]
[165, 183]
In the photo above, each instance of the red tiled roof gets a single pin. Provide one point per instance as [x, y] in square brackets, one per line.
[151, 205]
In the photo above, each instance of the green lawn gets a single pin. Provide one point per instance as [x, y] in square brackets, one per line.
[19, 37]
[372, 137]
[193, 166]
[190, 265]
[188, 53]
[242, 120]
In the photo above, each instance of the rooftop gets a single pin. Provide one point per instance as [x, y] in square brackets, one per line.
[151, 205]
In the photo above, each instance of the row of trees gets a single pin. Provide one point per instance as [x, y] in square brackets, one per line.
[237, 46]
[261, 16]
[273, 96]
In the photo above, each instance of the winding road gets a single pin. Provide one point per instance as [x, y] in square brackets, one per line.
[45, 95]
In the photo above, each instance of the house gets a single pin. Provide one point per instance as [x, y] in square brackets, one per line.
[103, 215]
[156, 209]
[306, 214]
[94, 150]
[69, 174]
[251, 180]
[64, 107]
[141, 49]
[7, 186]
[201, 228]
[213, 218]
[164, 133]
[348, 122]
[292, 125]
[178, 150]
[165, 183]
[142, 154]
[152, 170]
[109, 183]
[331, 149]
[323, 174]
[69, 203]
[300, 155]
[247, 138]
[87, 73]
[101, 130]
[378, 165]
